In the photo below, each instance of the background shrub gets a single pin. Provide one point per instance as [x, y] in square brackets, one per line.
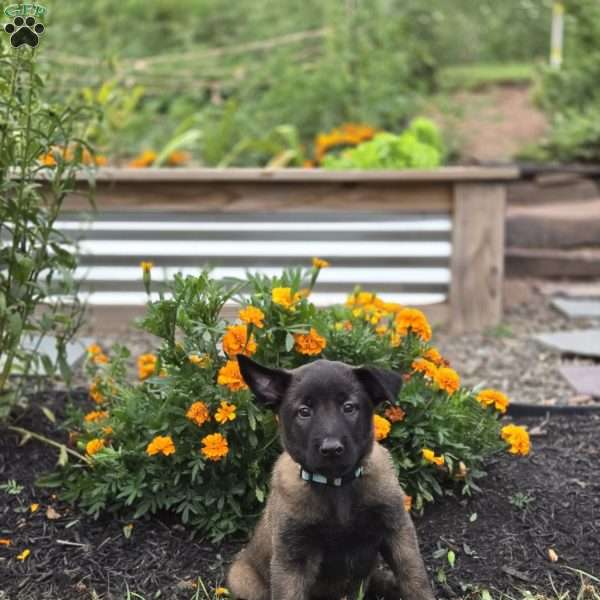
[570, 95]
[37, 294]
[188, 437]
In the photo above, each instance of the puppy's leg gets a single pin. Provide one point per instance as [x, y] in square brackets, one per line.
[382, 585]
[401, 551]
[292, 581]
[244, 582]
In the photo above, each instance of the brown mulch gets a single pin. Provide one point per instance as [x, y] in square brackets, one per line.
[549, 500]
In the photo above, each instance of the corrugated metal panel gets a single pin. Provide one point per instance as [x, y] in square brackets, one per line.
[403, 257]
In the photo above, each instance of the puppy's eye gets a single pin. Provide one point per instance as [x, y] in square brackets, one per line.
[349, 408]
[305, 411]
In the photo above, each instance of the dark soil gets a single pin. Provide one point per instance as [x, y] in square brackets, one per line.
[549, 500]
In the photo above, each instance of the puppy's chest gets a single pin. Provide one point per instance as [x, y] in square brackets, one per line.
[336, 543]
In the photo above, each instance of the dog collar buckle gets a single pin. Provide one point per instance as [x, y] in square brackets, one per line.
[335, 482]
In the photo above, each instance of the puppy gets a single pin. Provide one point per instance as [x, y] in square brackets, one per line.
[335, 505]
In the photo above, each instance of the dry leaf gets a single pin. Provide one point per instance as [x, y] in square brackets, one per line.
[52, 514]
[552, 555]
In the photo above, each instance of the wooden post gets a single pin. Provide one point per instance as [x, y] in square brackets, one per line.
[477, 262]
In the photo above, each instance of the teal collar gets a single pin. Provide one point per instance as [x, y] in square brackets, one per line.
[335, 482]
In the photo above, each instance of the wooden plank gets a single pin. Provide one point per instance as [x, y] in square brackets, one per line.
[477, 256]
[547, 262]
[270, 197]
[232, 175]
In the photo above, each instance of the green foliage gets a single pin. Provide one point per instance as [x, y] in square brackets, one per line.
[479, 75]
[192, 379]
[570, 95]
[419, 146]
[36, 260]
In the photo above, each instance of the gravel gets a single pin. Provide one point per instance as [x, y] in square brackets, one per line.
[507, 358]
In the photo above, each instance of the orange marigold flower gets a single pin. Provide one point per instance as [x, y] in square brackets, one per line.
[236, 341]
[94, 349]
[349, 134]
[428, 369]
[34, 507]
[518, 439]
[178, 158]
[429, 456]
[363, 299]
[433, 355]
[345, 325]
[392, 307]
[407, 503]
[252, 315]
[100, 359]
[412, 319]
[143, 160]
[301, 294]
[95, 393]
[225, 412]
[283, 296]
[319, 263]
[147, 266]
[493, 398]
[381, 427]
[95, 415]
[381, 329]
[447, 379]
[94, 446]
[214, 446]
[161, 444]
[310, 343]
[230, 376]
[221, 591]
[5, 542]
[146, 365]
[394, 414]
[201, 361]
[198, 413]
[107, 430]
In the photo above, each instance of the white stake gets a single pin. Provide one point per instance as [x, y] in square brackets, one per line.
[558, 28]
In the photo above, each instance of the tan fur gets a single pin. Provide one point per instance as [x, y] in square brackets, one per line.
[259, 571]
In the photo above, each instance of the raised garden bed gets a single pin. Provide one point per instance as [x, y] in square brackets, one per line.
[501, 536]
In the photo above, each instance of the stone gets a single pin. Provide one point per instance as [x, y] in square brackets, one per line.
[582, 342]
[585, 380]
[577, 308]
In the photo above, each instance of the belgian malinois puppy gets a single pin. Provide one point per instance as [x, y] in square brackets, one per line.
[335, 505]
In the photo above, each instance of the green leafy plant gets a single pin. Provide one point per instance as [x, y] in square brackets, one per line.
[187, 436]
[38, 141]
[419, 146]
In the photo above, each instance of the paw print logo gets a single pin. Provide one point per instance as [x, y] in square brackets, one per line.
[24, 31]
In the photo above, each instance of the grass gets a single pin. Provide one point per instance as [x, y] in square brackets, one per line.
[472, 77]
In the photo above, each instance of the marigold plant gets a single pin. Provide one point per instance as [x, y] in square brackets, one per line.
[186, 435]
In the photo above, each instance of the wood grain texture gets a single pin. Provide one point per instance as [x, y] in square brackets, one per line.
[247, 175]
[269, 196]
[477, 262]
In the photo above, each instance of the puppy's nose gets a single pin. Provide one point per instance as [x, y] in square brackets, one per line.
[331, 447]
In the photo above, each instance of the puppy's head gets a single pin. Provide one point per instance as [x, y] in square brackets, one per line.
[325, 409]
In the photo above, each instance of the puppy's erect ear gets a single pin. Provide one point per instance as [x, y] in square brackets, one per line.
[380, 385]
[268, 385]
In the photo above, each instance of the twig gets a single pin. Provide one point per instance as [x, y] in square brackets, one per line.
[46, 440]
